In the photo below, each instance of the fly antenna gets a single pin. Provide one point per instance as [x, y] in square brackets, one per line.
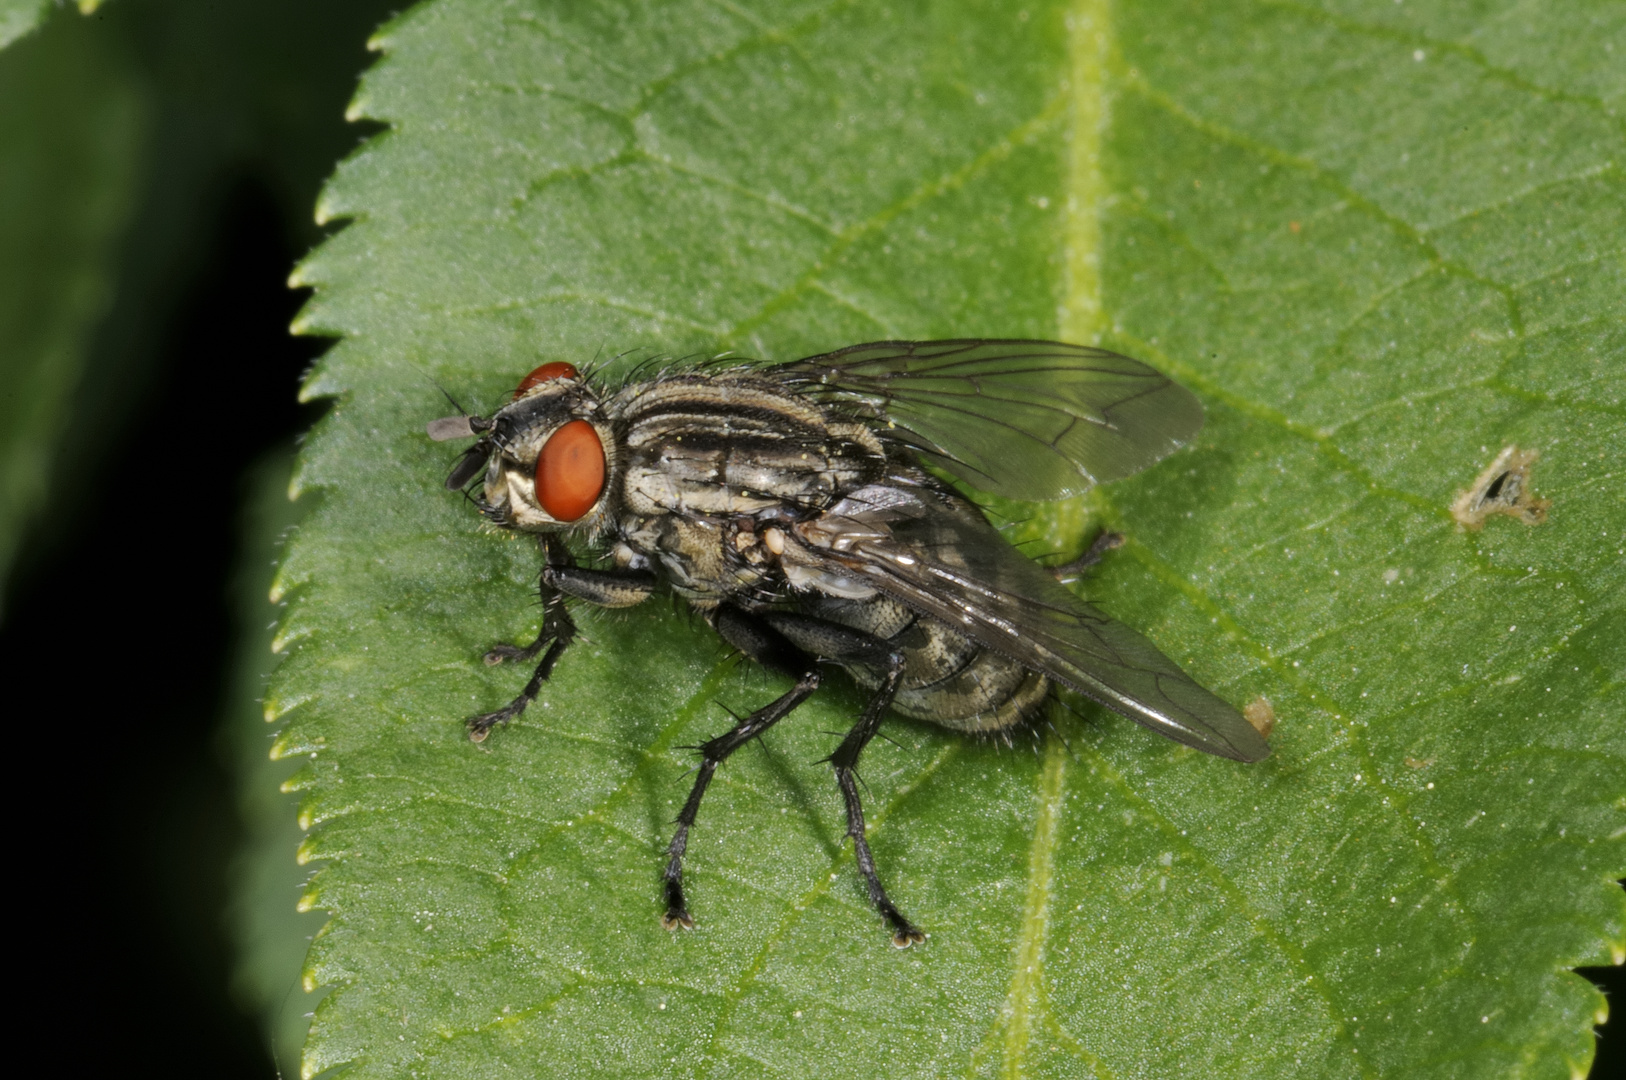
[445, 392]
[458, 405]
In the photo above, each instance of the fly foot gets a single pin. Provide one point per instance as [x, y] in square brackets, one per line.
[1104, 542]
[677, 915]
[480, 726]
[902, 939]
[904, 932]
[498, 653]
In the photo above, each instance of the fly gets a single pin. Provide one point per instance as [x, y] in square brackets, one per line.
[789, 506]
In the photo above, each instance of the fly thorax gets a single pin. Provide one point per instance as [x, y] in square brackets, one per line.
[735, 444]
[693, 554]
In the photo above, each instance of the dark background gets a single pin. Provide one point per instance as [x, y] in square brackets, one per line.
[146, 821]
[121, 625]
[138, 827]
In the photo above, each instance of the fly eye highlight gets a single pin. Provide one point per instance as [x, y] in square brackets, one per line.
[570, 470]
[557, 369]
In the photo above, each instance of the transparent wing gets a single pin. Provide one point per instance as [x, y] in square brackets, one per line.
[935, 552]
[1025, 419]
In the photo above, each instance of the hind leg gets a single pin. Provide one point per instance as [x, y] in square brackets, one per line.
[848, 646]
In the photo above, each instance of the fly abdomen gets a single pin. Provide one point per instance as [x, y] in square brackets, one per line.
[948, 678]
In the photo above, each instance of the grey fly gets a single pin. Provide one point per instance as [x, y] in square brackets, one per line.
[789, 506]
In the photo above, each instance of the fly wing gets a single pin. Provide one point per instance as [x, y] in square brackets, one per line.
[936, 553]
[1024, 419]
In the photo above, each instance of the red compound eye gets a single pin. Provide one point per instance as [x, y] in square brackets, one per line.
[570, 471]
[558, 369]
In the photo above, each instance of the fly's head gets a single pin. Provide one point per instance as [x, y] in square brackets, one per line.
[548, 455]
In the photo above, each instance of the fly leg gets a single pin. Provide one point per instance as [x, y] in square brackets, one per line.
[558, 629]
[554, 554]
[762, 643]
[848, 646]
[560, 578]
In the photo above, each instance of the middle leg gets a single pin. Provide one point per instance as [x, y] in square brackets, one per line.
[762, 643]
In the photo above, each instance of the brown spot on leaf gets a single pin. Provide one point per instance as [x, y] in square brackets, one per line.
[1259, 713]
[1503, 488]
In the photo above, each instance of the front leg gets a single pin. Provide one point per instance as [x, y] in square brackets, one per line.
[561, 578]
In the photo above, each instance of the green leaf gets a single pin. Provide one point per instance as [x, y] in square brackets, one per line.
[118, 137]
[1381, 247]
[72, 119]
